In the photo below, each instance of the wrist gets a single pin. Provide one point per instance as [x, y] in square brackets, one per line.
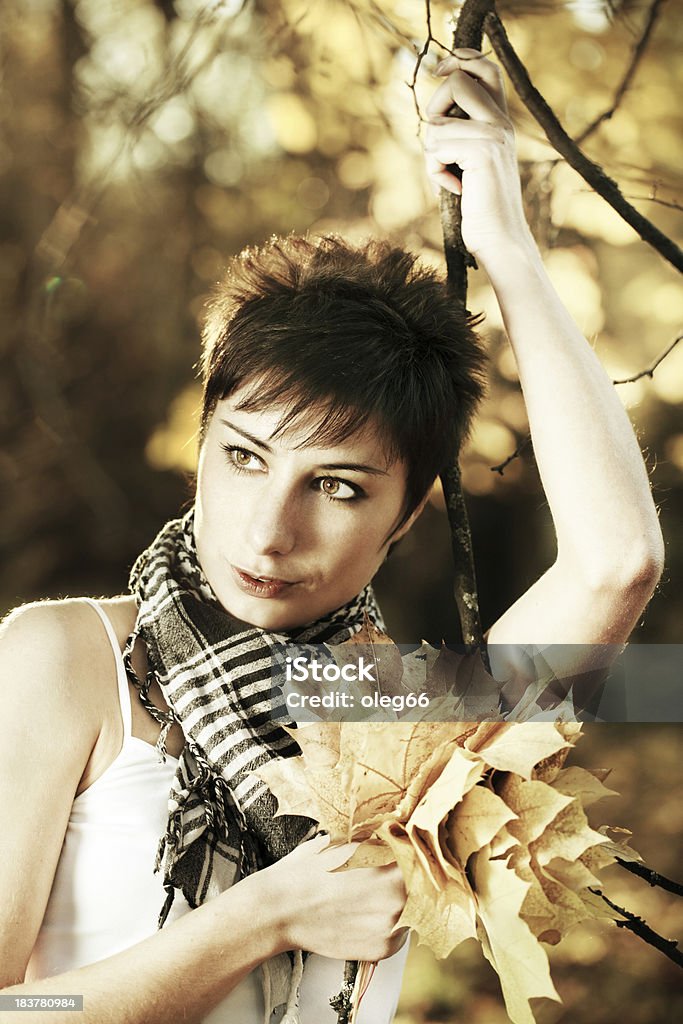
[279, 905]
[509, 255]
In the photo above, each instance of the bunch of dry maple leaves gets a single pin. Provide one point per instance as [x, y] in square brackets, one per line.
[487, 825]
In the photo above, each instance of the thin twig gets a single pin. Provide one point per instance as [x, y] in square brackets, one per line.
[671, 204]
[591, 172]
[626, 380]
[653, 877]
[418, 63]
[651, 369]
[502, 466]
[624, 85]
[635, 924]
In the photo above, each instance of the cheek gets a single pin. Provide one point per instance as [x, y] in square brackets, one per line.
[214, 511]
[357, 550]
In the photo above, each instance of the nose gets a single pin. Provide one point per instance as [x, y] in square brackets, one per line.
[273, 523]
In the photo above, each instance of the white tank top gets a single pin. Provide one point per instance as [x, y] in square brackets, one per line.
[106, 896]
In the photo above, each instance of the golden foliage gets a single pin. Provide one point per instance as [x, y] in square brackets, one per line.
[485, 822]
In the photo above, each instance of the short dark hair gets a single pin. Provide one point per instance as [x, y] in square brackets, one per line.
[364, 333]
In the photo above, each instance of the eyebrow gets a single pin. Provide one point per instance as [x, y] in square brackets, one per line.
[249, 437]
[358, 467]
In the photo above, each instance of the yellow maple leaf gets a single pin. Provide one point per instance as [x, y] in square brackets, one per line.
[442, 918]
[507, 941]
[475, 822]
[535, 804]
[516, 746]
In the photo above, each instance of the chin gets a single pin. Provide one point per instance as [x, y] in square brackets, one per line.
[260, 613]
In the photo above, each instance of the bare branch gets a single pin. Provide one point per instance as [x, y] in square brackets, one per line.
[420, 57]
[468, 33]
[421, 54]
[591, 172]
[341, 1003]
[671, 204]
[651, 369]
[624, 85]
[653, 877]
[502, 466]
[635, 924]
[626, 380]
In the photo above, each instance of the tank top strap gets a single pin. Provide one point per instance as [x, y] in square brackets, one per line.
[121, 677]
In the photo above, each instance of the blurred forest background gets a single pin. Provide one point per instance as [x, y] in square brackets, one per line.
[142, 142]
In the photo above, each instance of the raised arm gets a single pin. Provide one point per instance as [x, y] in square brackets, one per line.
[609, 545]
[50, 719]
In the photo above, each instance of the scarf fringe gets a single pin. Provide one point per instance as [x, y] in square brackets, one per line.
[292, 1011]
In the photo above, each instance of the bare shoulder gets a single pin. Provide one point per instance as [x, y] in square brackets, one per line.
[50, 721]
[53, 654]
[45, 630]
[58, 636]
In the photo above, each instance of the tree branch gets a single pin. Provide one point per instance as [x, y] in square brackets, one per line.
[591, 172]
[502, 466]
[671, 204]
[626, 380]
[468, 33]
[341, 1003]
[653, 877]
[624, 85]
[635, 924]
[651, 369]
[421, 54]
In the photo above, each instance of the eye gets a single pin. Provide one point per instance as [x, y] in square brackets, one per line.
[242, 459]
[338, 490]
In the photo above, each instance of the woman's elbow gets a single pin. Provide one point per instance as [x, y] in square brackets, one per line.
[636, 569]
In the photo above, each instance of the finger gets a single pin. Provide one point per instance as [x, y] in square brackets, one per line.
[486, 72]
[462, 89]
[444, 129]
[448, 182]
[337, 856]
[468, 154]
[440, 177]
[400, 934]
[320, 841]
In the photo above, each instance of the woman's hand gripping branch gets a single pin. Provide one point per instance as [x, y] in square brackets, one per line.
[483, 146]
[609, 545]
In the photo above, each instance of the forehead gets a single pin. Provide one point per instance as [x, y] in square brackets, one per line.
[318, 427]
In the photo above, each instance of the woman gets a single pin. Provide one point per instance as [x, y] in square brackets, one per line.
[337, 384]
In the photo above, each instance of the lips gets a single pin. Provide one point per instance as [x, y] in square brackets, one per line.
[260, 586]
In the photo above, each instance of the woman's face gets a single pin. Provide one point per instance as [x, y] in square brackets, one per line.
[286, 534]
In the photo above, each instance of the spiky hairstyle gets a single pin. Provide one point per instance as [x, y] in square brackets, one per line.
[341, 336]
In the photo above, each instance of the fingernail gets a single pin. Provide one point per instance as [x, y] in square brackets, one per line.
[441, 67]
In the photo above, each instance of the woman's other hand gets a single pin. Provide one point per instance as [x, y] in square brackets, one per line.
[345, 915]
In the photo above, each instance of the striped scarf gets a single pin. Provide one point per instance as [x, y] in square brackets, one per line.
[215, 674]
